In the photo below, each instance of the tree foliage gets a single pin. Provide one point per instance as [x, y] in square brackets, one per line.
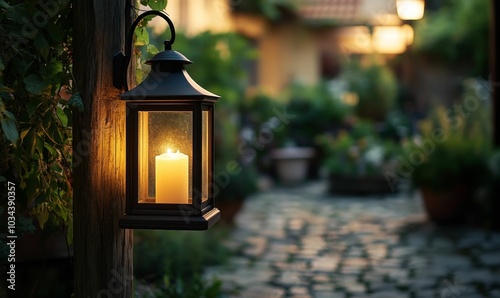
[457, 33]
[38, 96]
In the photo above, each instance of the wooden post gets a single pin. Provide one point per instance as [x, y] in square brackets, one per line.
[103, 252]
[495, 68]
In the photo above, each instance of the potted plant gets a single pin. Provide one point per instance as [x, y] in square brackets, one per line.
[313, 110]
[356, 161]
[375, 86]
[449, 162]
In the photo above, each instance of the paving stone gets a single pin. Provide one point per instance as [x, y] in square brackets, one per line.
[308, 253]
[429, 293]
[416, 262]
[290, 278]
[283, 248]
[351, 270]
[483, 276]
[354, 287]
[325, 264]
[442, 244]
[321, 278]
[421, 283]
[323, 288]
[257, 246]
[377, 251]
[450, 261]
[262, 291]
[490, 259]
[298, 291]
[295, 224]
[247, 276]
[328, 294]
[355, 253]
[275, 256]
[356, 262]
[471, 240]
[454, 287]
[417, 241]
[432, 272]
[302, 243]
[402, 251]
[490, 246]
[381, 286]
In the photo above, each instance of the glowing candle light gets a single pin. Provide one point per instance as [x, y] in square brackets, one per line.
[172, 177]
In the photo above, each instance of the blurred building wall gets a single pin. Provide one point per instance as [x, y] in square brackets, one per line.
[195, 16]
[288, 53]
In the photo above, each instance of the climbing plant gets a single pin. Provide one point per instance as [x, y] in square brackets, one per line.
[457, 33]
[38, 96]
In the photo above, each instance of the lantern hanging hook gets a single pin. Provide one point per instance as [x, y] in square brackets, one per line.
[121, 61]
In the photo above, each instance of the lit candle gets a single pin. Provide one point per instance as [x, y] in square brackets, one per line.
[172, 177]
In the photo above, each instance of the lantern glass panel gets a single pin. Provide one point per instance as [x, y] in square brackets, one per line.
[205, 153]
[165, 157]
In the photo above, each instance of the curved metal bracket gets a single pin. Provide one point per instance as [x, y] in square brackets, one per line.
[121, 61]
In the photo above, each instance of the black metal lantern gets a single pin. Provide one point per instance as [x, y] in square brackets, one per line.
[170, 122]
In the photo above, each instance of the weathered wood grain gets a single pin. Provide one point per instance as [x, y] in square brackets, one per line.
[103, 252]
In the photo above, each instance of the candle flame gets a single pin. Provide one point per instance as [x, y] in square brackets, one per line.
[169, 151]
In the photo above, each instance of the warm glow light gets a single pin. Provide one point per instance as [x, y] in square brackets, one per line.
[355, 40]
[410, 9]
[408, 33]
[350, 98]
[389, 40]
[172, 177]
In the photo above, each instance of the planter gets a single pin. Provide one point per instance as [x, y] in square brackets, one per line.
[445, 207]
[358, 185]
[292, 163]
[229, 209]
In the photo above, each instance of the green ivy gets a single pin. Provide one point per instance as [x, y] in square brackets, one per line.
[37, 98]
[35, 111]
[457, 33]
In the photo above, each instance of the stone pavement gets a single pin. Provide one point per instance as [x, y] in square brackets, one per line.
[302, 242]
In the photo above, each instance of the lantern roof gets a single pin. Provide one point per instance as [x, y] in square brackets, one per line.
[168, 56]
[168, 80]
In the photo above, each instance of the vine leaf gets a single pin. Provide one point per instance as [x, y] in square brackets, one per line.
[51, 69]
[42, 45]
[9, 126]
[41, 213]
[142, 37]
[157, 4]
[24, 133]
[152, 50]
[62, 116]
[34, 83]
[33, 105]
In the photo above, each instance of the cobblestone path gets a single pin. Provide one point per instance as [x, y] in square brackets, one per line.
[301, 242]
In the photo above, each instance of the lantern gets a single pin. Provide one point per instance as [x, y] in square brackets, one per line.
[410, 9]
[169, 153]
[392, 39]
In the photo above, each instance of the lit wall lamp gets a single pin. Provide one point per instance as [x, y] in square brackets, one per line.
[170, 143]
[391, 39]
[410, 9]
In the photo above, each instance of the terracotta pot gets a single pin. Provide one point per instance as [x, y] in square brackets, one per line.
[229, 209]
[446, 206]
[292, 163]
